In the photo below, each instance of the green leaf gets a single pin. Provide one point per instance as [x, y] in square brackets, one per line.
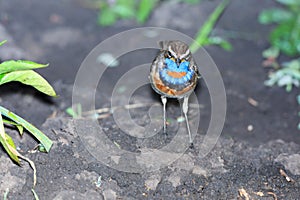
[295, 73]
[28, 77]
[272, 52]
[2, 42]
[293, 64]
[19, 127]
[123, 11]
[7, 142]
[10, 141]
[17, 65]
[219, 41]
[6, 194]
[274, 15]
[288, 87]
[75, 111]
[107, 17]
[298, 99]
[144, 10]
[288, 76]
[286, 37]
[126, 3]
[41, 148]
[46, 142]
[289, 2]
[205, 30]
[70, 111]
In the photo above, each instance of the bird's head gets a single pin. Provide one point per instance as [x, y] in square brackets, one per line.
[177, 56]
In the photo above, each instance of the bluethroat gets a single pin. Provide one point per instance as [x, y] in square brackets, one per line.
[174, 74]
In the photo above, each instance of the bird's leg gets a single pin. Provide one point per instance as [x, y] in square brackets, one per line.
[164, 101]
[185, 108]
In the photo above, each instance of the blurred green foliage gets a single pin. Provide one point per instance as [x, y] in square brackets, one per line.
[22, 71]
[285, 39]
[112, 10]
[288, 76]
[286, 35]
[204, 38]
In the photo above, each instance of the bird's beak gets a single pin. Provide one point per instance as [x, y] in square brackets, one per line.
[178, 62]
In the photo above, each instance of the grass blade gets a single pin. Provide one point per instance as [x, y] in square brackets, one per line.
[205, 30]
[46, 142]
[8, 143]
[144, 10]
[35, 194]
[18, 126]
[2, 42]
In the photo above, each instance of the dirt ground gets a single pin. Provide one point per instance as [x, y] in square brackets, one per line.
[263, 163]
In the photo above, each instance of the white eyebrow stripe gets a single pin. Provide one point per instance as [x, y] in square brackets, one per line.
[185, 54]
[172, 52]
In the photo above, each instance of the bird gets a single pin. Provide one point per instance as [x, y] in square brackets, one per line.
[174, 74]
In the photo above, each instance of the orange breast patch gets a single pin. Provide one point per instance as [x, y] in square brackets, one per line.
[176, 74]
[159, 85]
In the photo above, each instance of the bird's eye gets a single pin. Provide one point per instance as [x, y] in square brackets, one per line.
[168, 54]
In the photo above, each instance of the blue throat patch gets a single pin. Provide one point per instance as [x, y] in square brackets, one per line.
[172, 67]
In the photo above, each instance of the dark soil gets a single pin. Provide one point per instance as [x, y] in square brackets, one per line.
[263, 163]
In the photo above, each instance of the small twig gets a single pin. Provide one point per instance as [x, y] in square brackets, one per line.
[243, 193]
[31, 163]
[98, 113]
[117, 144]
[128, 107]
[273, 194]
[195, 105]
[252, 102]
[261, 194]
[139, 105]
[110, 110]
[288, 179]
[35, 194]
[54, 131]
[35, 149]
[103, 116]
[53, 114]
